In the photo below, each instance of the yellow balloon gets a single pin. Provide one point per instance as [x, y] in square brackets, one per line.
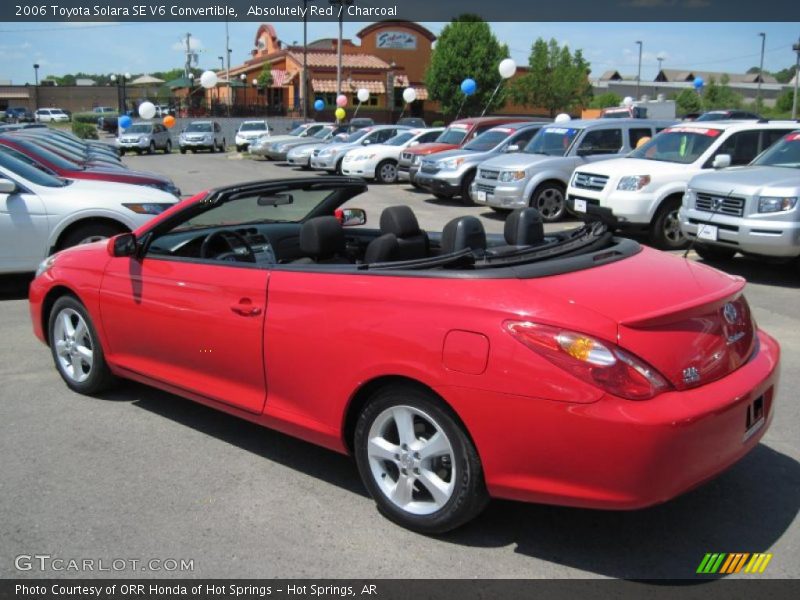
[340, 114]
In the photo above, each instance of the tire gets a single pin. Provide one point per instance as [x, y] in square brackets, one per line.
[549, 200]
[168, 147]
[183, 150]
[453, 470]
[501, 211]
[665, 232]
[151, 148]
[466, 183]
[122, 152]
[76, 349]
[386, 172]
[90, 232]
[714, 253]
[441, 196]
[139, 152]
[222, 146]
[416, 185]
[338, 169]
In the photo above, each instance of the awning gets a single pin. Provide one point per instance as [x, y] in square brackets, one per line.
[14, 95]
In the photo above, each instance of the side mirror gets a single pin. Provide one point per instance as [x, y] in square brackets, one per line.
[366, 142]
[512, 148]
[123, 244]
[351, 217]
[721, 161]
[414, 143]
[7, 186]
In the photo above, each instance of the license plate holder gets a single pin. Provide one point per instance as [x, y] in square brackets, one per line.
[580, 205]
[481, 196]
[707, 232]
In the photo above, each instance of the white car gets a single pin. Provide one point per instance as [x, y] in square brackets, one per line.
[379, 161]
[51, 115]
[250, 131]
[645, 189]
[41, 214]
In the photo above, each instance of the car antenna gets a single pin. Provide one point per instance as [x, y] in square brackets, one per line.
[717, 208]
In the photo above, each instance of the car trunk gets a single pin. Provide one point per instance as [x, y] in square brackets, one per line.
[690, 322]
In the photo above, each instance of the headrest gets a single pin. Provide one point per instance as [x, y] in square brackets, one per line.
[322, 237]
[524, 227]
[399, 220]
[463, 232]
[382, 249]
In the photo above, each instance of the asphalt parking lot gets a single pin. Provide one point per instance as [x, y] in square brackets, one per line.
[141, 474]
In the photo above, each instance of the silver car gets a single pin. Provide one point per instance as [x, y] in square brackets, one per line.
[752, 210]
[329, 158]
[275, 147]
[144, 137]
[202, 135]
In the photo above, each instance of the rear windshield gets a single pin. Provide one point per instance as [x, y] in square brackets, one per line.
[786, 153]
[452, 135]
[140, 128]
[552, 141]
[257, 126]
[400, 139]
[488, 140]
[354, 137]
[682, 145]
[199, 127]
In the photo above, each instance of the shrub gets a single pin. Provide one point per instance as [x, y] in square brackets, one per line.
[90, 117]
[438, 124]
[84, 131]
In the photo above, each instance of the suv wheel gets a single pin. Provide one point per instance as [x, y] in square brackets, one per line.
[548, 199]
[151, 148]
[168, 147]
[466, 183]
[666, 228]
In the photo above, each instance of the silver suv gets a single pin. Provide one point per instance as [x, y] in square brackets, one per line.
[144, 137]
[752, 210]
[202, 135]
[538, 176]
[450, 173]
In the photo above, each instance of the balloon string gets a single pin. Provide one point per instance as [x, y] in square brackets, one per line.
[458, 114]
[488, 104]
[356, 111]
[402, 112]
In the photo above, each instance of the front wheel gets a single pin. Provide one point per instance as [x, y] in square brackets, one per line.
[666, 229]
[386, 172]
[76, 348]
[466, 184]
[417, 462]
[168, 147]
[548, 199]
[88, 233]
[151, 148]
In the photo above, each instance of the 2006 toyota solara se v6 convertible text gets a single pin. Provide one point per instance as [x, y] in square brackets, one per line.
[576, 368]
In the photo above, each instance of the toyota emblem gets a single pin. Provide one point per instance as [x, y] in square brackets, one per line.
[730, 313]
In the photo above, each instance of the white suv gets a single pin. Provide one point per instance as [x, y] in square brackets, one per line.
[645, 189]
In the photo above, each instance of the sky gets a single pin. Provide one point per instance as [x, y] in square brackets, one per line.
[146, 47]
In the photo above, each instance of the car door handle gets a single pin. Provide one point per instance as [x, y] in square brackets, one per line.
[246, 308]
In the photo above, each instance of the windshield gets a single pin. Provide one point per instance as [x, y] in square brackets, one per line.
[488, 140]
[682, 145]
[67, 151]
[713, 116]
[39, 152]
[199, 127]
[323, 133]
[298, 130]
[354, 137]
[139, 128]
[399, 139]
[255, 126]
[552, 141]
[29, 173]
[786, 153]
[452, 135]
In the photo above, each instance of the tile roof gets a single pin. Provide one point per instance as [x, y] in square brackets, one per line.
[349, 61]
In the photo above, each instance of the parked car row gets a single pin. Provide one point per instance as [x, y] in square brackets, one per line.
[57, 191]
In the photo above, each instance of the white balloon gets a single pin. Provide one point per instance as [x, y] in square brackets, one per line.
[147, 110]
[562, 117]
[507, 68]
[208, 79]
[409, 95]
[628, 101]
[363, 95]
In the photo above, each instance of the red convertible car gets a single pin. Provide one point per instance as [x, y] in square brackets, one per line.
[576, 368]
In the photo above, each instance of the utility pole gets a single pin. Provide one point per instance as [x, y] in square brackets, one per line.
[761, 68]
[341, 4]
[639, 72]
[187, 68]
[228, 66]
[796, 48]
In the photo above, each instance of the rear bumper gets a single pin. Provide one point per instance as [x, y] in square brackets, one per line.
[614, 453]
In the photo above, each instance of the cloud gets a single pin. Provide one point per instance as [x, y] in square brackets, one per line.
[194, 43]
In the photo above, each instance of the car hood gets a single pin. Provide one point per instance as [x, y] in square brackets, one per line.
[430, 148]
[88, 191]
[680, 307]
[251, 134]
[127, 173]
[639, 166]
[274, 139]
[518, 161]
[749, 180]
[459, 152]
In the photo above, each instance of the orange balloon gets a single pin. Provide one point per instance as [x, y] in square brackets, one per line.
[169, 121]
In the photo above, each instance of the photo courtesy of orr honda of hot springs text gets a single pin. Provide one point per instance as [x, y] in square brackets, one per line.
[574, 368]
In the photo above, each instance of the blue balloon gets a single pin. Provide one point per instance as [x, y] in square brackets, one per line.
[125, 121]
[698, 82]
[468, 86]
[319, 104]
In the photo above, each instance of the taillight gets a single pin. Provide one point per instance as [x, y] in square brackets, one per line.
[597, 362]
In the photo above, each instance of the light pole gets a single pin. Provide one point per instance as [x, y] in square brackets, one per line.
[796, 48]
[255, 87]
[341, 4]
[221, 63]
[639, 72]
[304, 84]
[190, 97]
[243, 79]
[36, 80]
[761, 68]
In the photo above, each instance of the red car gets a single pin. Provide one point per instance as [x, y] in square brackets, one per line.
[576, 368]
[42, 158]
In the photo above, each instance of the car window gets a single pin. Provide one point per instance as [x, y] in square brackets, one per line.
[48, 155]
[602, 141]
[552, 141]
[488, 139]
[742, 147]
[29, 173]
[678, 144]
[199, 128]
[26, 159]
[400, 139]
[452, 135]
[637, 133]
[786, 153]
[770, 136]
[429, 137]
[479, 130]
[523, 137]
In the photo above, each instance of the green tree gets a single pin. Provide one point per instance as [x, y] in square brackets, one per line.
[720, 95]
[557, 80]
[265, 78]
[688, 101]
[605, 100]
[784, 101]
[466, 48]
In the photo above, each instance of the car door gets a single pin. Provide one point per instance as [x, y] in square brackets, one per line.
[23, 228]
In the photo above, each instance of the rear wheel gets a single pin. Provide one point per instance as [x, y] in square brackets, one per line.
[548, 199]
[417, 462]
[466, 183]
[666, 228]
[76, 348]
[88, 233]
[338, 169]
[151, 148]
[183, 150]
[714, 253]
[168, 147]
[386, 172]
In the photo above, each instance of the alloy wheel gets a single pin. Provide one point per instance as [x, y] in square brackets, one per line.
[73, 345]
[550, 203]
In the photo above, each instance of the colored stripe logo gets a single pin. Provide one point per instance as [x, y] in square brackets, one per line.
[722, 563]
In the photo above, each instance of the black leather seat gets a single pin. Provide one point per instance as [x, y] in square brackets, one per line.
[382, 249]
[322, 240]
[412, 242]
[464, 232]
[524, 227]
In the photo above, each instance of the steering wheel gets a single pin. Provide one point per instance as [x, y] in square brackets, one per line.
[234, 242]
